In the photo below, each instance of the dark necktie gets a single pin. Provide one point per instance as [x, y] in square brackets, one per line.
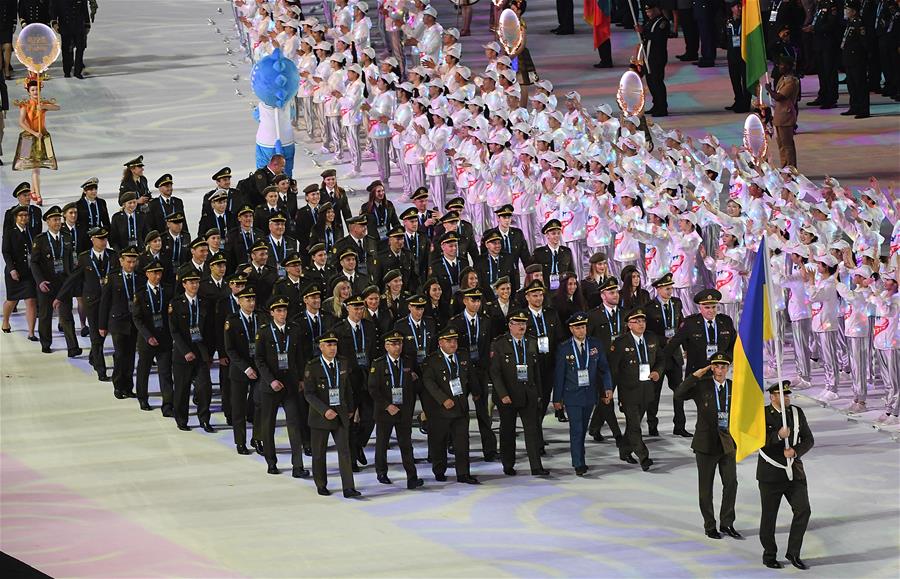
[581, 350]
[642, 357]
[452, 368]
[710, 333]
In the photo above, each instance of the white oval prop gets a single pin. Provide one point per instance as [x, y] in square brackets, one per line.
[630, 95]
[755, 136]
[509, 31]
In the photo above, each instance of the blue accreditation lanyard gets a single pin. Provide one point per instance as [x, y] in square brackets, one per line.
[52, 247]
[380, 219]
[412, 327]
[193, 316]
[317, 331]
[473, 339]
[287, 342]
[164, 206]
[587, 356]
[715, 334]
[516, 351]
[665, 309]
[250, 337]
[450, 275]
[391, 371]
[414, 249]
[337, 371]
[491, 266]
[222, 223]
[128, 295]
[153, 308]
[314, 213]
[329, 238]
[362, 338]
[719, 404]
[542, 331]
[176, 250]
[613, 326]
[97, 268]
[245, 235]
[278, 259]
[455, 362]
[93, 213]
[637, 346]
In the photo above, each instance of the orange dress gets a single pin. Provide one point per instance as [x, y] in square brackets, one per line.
[32, 152]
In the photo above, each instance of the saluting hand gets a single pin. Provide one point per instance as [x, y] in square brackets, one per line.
[699, 373]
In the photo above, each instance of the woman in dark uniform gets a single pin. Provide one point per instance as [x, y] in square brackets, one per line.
[526, 73]
[34, 222]
[328, 229]
[133, 180]
[331, 192]
[380, 212]
[632, 295]
[468, 279]
[17, 242]
[568, 299]
[7, 27]
[436, 307]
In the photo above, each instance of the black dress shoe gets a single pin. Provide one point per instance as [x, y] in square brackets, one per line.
[509, 471]
[862, 116]
[273, 469]
[603, 65]
[323, 491]
[561, 415]
[540, 472]
[687, 57]
[682, 432]
[468, 479]
[85, 332]
[564, 32]
[827, 106]
[383, 479]
[705, 64]
[628, 458]
[120, 395]
[440, 477]
[207, 427]
[713, 534]
[46, 350]
[414, 483]
[351, 493]
[145, 405]
[490, 457]
[32, 338]
[257, 446]
[167, 411]
[797, 562]
[653, 432]
[659, 113]
[299, 472]
[104, 378]
[79, 76]
[730, 108]
[773, 564]
[848, 113]
[130, 395]
[580, 470]
[242, 449]
[355, 467]
[731, 532]
[597, 437]
[307, 451]
[646, 464]
[184, 427]
[7, 330]
[361, 457]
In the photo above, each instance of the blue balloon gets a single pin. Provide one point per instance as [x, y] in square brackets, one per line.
[275, 79]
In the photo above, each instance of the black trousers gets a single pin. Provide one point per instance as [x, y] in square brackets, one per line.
[686, 20]
[74, 41]
[565, 13]
[319, 444]
[706, 472]
[163, 356]
[705, 18]
[187, 373]
[225, 390]
[403, 431]
[241, 401]
[270, 402]
[604, 414]
[737, 72]
[45, 319]
[605, 52]
[857, 86]
[439, 428]
[887, 53]
[674, 375]
[96, 357]
[828, 57]
[124, 346]
[361, 432]
[484, 420]
[634, 441]
[656, 82]
[533, 445]
[770, 496]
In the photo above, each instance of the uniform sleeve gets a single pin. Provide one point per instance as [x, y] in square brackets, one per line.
[430, 381]
[559, 375]
[806, 436]
[309, 391]
[496, 370]
[684, 390]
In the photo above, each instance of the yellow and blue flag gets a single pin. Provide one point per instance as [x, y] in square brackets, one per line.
[748, 421]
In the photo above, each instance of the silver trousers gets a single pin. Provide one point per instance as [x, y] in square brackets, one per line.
[527, 222]
[437, 186]
[478, 214]
[889, 368]
[733, 311]
[686, 295]
[351, 133]
[415, 177]
[577, 246]
[801, 332]
[309, 116]
[383, 160]
[828, 349]
[337, 143]
[860, 361]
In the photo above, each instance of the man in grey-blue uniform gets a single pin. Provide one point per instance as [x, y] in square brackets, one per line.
[581, 378]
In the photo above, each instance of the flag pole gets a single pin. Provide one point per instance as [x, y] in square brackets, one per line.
[770, 298]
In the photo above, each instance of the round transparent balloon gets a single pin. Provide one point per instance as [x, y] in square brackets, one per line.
[630, 95]
[37, 47]
[755, 136]
[509, 31]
